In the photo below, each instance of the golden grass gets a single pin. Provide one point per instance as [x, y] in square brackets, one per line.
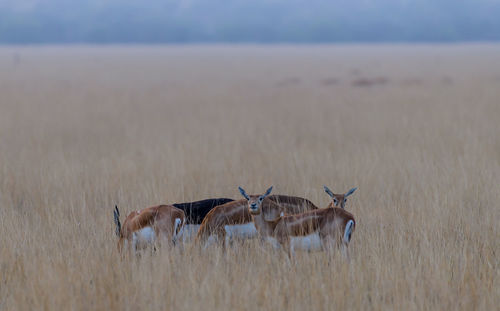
[416, 128]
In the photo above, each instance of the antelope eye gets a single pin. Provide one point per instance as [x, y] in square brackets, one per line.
[345, 200]
[260, 199]
[335, 201]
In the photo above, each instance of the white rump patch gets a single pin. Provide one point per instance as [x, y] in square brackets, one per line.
[348, 231]
[177, 223]
[310, 242]
[243, 231]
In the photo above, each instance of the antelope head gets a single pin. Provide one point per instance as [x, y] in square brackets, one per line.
[339, 200]
[255, 201]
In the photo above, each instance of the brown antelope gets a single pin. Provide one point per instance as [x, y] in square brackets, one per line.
[195, 212]
[233, 219]
[144, 227]
[332, 225]
[300, 205]
[338, 200]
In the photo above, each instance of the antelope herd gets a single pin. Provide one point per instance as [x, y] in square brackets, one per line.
[286, 222]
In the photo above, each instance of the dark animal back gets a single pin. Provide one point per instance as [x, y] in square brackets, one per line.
[197, 210]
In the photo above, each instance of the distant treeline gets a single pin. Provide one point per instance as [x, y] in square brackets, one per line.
[295, 21]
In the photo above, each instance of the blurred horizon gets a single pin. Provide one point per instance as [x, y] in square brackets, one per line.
[243, 21]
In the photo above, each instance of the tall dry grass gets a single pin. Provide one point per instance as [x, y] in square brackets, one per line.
[416, 128]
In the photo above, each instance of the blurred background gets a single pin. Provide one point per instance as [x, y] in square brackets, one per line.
[256, 21]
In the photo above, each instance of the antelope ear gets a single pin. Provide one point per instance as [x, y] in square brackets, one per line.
[350, 192]
[328, 191]
[268, 191]
[243, 193]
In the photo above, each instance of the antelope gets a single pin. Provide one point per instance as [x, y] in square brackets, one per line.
[338, 198]
[195, 212]
[327, 223]
[311, 242]
[143, 227]
[233, 219]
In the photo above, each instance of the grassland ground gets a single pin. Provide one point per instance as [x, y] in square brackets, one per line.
[416, 128]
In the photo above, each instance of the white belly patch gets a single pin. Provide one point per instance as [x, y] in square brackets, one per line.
[310, 242]
[142, 237]
[243, 231]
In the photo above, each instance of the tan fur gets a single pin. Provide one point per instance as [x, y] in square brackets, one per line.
[231, 213]
[292, 205]
[161, 218]
[338, 200]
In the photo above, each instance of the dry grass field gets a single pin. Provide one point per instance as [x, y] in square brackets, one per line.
[416, 128]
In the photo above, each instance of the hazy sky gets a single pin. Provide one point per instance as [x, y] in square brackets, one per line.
[266, 21]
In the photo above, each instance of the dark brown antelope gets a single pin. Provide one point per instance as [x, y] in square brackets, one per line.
[332, 225]
[141, 228]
